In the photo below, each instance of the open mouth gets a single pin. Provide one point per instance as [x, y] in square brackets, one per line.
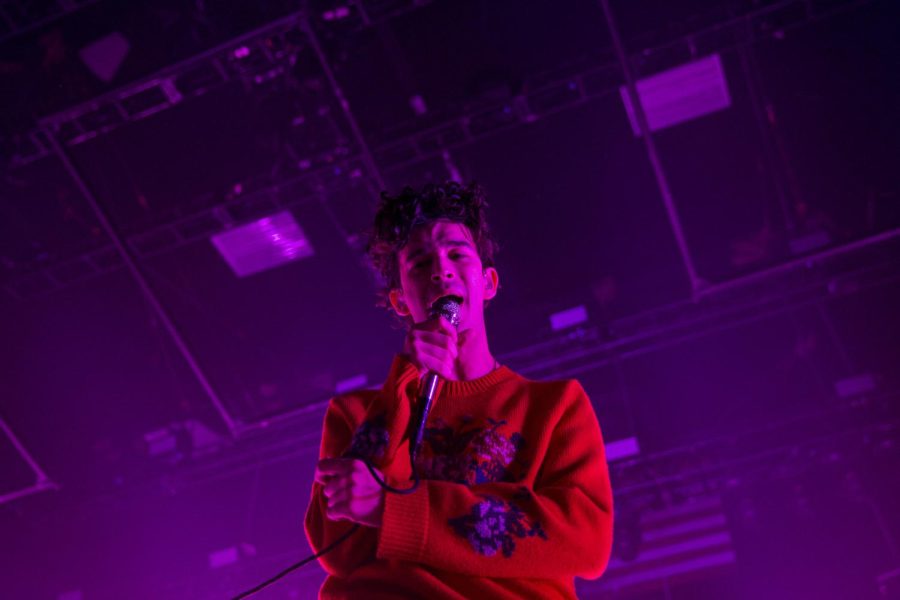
[454, 297]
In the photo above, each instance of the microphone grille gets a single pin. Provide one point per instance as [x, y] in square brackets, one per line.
[447, 307]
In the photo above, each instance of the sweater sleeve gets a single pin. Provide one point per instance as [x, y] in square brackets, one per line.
[562, 526]
[373, 432]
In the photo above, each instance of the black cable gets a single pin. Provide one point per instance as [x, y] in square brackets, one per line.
[272, 580]
[335, 543]
[446, 307]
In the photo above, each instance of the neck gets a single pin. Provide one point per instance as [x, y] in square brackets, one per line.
[475, 359]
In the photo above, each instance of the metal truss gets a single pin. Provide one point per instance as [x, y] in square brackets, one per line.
[572, 91]
[20, 16]
[835, 272]
[836, 440]
[42, 483]
[251, 199]
[780, 451]
[267, 52]
[700, 469]
[859, 267]
[261, 55]
[252, 59]
[581, 350]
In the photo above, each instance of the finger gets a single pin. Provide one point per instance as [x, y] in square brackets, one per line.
[439, 368]
[358, 467]
[438, 364]
[443, 327]
[437, 324]
[416, 340]
[340, 509]
[367, 494]
[320, 477]
[439, 349]
[333, 466]
[364, 477]
[338, 497]
[445, 345]
[447, 328]
[436, 338]
[333, 487]
[336, 513]
[429, 324]
[442, 364]
[432, 353]
[434, 325]
[360, 476]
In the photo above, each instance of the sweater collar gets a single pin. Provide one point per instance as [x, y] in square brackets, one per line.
[457, 389]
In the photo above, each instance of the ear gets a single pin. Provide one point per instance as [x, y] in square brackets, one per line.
[491, 283]
[399, 306]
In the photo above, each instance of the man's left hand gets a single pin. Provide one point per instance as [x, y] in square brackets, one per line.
[352, 492]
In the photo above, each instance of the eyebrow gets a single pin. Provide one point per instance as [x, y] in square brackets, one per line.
[446, 244]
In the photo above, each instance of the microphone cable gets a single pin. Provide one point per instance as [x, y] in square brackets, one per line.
[446, 307]
[386, 486]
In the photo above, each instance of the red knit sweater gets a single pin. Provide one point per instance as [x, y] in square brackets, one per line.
[514, 501]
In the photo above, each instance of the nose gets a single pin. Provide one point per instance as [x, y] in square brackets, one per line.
[442, 270]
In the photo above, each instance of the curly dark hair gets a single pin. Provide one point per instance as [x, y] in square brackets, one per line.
[398, 215]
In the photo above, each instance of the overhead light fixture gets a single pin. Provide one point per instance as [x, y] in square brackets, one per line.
[351, 383]
[809, 241]
[679, 94]
[182, 440]
[231, 555]
[619, 449]
[338, 13]
[263, 244]
[857, 385]
[417, 103]
[105, 55]
[568, 318]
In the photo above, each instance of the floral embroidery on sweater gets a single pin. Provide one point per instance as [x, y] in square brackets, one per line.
[472, 454]
[492, 524]
[369, 440]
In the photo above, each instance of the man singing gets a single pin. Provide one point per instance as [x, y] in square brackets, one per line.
[515, 499]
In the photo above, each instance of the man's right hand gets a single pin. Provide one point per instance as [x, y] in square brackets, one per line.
[432, 346]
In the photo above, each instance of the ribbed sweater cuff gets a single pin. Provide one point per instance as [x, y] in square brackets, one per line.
[404, 525]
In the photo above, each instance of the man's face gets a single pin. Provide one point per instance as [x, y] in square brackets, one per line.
[441, 259]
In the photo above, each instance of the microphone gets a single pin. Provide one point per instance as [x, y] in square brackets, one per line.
[446, 307]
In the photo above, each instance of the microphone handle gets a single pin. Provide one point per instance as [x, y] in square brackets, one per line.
[429, 387]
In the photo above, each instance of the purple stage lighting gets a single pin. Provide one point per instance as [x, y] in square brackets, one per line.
[679, 542]
[568, 318]
[351, 383]
[105, 55]
[231, 555]
[624, 448]
[680, 94]
[263, 244]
